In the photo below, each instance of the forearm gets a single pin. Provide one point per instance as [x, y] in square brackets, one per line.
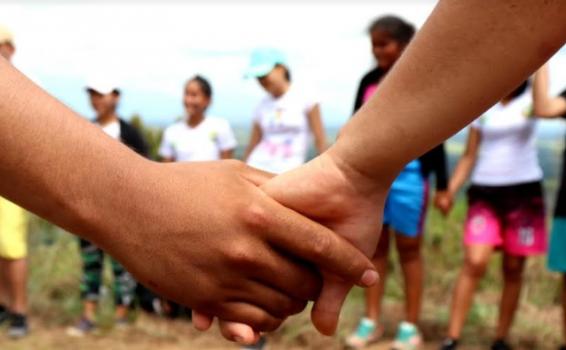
[75, 174]
[461, 174]
[540, 90]
[317, 129]
[457, 66]
[255, 138]
[545, 106]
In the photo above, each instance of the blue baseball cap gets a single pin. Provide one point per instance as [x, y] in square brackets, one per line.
[262, 62]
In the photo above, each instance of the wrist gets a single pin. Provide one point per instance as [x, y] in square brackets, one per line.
[356, 177]
[113, 206]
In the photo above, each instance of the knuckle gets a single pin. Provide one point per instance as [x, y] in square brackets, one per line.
[242, 255]
[321, 245]
[256, 217]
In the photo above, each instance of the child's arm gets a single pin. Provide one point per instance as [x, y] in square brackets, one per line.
[466, 163]
[545, 106]
[255, 139]
[466, 57]
[317, 129]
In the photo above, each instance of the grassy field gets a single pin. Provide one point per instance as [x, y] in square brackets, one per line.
[54, 300]
[55, 273]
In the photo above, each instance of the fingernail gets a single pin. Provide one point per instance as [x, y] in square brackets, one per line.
[369, 278]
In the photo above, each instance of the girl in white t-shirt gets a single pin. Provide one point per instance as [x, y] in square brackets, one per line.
[505, 208]
[198, 137]
[284, 120]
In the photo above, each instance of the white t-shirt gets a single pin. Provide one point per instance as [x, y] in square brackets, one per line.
[112, 129]
[508, 153]
[285, 131]
[201, 143]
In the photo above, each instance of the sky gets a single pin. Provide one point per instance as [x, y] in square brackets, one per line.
[151, 48]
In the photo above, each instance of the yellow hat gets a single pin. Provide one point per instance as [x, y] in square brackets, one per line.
[6, 35]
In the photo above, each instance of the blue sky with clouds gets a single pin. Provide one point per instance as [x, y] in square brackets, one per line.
[150, 48]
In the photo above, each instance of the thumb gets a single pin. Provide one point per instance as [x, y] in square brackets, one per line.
[326, 310]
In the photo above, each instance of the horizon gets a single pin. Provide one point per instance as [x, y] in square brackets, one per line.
[151, 51]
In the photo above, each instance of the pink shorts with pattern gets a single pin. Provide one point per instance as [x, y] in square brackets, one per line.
[511, 218]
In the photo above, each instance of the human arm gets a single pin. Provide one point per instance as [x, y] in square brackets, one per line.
[465, 163]
[544, 105]
[225, 252]
[435, 160]
[317, 128]
[255, 138]
[444, 80]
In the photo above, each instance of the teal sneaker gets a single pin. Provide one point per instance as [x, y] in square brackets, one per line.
[408, 337]
[368, 332]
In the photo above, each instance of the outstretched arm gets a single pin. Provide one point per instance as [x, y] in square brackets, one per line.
[202, 234]
[468, 55]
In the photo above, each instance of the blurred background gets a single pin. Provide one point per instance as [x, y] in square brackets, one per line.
[151, 48]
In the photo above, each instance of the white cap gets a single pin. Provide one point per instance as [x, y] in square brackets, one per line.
[102, 85]
[6, 35]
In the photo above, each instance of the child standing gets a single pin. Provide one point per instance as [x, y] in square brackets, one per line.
[505, 208]
[104, 98]
[284, 120]
[198, 137]
[406, 204]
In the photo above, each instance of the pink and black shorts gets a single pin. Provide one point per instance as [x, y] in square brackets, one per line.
[511, 218]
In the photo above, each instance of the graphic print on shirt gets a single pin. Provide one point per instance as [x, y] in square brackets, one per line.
[283, 148]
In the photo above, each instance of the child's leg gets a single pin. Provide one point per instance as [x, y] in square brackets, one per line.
[124, 288]
[374, 295]
[409, 249]
[513, 267]
[475, 264]
[92, 259]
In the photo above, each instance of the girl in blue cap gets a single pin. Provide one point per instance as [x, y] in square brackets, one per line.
[285, 119]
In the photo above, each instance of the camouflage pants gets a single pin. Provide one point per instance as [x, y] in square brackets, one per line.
[93, 262]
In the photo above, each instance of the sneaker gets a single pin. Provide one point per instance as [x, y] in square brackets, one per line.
[500, 344]
[408, 337]
[4, 314]
[82, 328]
[367, 333]
[18, 326]
[449, 344]
[260, 345]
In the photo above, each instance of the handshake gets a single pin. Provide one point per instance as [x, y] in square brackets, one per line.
[236, 243]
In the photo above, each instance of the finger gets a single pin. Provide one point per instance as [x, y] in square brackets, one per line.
[201, 322]
[238, 332]
[270, 300]
[326, 310]
[295, 279]
[256, 176]
[315, 243]
[250, 314]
